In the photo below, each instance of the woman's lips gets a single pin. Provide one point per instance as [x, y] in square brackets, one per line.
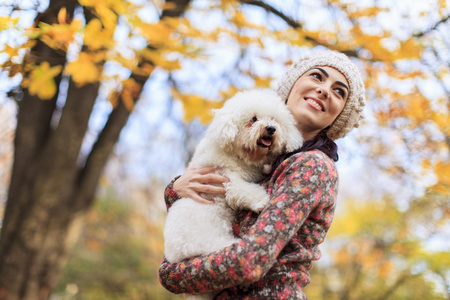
[314, 104]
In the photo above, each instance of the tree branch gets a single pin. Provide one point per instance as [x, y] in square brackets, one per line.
[175, 8]
[420, 34]
[292, 23]
[98, 157]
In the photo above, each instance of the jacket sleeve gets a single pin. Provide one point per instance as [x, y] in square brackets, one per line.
[300, 184]
[170, 195]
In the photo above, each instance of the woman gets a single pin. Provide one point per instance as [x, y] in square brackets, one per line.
[325, 93]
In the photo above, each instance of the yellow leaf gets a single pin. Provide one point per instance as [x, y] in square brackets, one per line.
[11, 51]
[84, 70]
[157, 58]
[197, 107]
[59, 36]
[108, 17]
[14, 51]
[263, 82]
[104, 10]
[442, 8]
[42, 80]
[409, 49]
[95, 37]
[6, 22]
[230, 92]
[442, 171]
[157, 33]
[62, 15]
[366, 12]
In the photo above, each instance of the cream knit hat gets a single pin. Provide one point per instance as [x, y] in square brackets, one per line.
[352, 112]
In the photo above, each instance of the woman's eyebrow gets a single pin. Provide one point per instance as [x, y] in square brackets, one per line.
[327, 75]
[323, 71]
[342, 84]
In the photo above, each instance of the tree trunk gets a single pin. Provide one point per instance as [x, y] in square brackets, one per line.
[50, 192]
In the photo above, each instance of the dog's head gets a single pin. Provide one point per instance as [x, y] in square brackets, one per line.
[256, 125]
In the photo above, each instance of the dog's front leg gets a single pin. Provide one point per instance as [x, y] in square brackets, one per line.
[241, 194]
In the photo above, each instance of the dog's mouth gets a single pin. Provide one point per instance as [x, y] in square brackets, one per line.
[265, 142]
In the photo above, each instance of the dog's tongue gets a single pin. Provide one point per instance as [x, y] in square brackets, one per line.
[266, 142]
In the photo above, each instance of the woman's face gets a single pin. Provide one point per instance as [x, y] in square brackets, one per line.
[317, 98]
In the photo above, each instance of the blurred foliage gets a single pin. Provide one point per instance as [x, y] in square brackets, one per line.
[116, 258]
[379, 252]
[373, 251]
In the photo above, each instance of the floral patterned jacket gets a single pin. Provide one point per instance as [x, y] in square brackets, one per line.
[274, 256]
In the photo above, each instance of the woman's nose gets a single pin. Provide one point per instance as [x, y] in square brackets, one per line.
[322, 92]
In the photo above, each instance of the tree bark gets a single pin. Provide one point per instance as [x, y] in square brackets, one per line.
[50, 192]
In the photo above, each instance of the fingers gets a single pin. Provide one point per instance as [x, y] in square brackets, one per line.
[207, 188]
[194, 183]
[199, 199]
[206, 175]
[210, 178]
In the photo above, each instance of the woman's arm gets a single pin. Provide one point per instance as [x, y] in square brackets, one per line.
[302, 182]
[192, 184]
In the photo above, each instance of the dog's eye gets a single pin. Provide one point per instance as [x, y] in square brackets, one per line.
[254, 119]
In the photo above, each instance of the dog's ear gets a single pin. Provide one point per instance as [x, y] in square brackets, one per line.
[222, 129]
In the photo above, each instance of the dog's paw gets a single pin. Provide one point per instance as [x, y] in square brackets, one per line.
[258, 206]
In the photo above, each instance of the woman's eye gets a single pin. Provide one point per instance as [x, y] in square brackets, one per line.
[317, 75]
[254, 119]
[341, 92]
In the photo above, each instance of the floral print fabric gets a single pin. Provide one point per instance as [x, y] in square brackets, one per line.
[274, 256]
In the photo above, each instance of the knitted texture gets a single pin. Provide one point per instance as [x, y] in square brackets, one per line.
[352, 112]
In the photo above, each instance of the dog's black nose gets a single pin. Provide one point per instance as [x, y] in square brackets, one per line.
[270, 130]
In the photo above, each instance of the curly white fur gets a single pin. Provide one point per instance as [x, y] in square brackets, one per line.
[248, 133]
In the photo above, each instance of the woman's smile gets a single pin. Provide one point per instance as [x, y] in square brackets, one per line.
[315, 103]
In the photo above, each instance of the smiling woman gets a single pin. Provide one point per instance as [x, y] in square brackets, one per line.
[272, 259]
[316, 99]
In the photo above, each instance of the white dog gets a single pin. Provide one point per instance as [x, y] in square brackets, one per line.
[248, 133]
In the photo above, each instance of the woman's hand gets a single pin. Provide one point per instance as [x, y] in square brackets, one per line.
[196, 181]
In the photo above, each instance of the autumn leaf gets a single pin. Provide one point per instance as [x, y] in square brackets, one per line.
[158, 59]
[229, 92]
[263, 82]
[409, 49]
[7, 22]
[84, 70]
[157, 33]
[95, 37]
[442, 171]
[103, 9]
[366, 12]
[42, 80]
[58, 36]
[196, 106]
[10, 51]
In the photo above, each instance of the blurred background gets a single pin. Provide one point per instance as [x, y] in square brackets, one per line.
[102, 103]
